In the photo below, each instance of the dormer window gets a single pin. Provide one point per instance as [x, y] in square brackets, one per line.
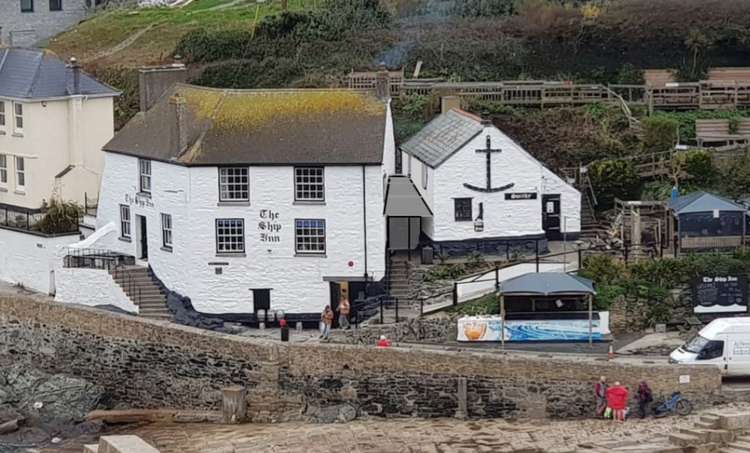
[144, 171]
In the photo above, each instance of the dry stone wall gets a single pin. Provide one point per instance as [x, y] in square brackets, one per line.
[145, 363]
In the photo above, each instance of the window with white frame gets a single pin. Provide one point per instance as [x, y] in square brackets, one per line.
[166, 231]
[3, 169]
[309, 184]
[230, 236]
[144, 175]
[20, 173]
[125, 221]
[424, 175]
[234, 184]
[310, 236]
[2, 116]
[18, 117]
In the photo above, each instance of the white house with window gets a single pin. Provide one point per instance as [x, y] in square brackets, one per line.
[248, 200]
[54, 119]
[483, 192]
[28, 22]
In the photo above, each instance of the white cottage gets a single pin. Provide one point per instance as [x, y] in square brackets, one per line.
[248, 200]
[482, 192]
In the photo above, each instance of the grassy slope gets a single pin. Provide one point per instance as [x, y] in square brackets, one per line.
[92, 38]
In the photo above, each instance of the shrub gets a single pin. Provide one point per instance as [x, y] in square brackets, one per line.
[60, 217]
[614, 179]
[629, 74]
[699, 166]
[659, 133]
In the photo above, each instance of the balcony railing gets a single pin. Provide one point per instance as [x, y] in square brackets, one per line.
[25, 219]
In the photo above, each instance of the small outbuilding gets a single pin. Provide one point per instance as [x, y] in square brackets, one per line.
[702, 221]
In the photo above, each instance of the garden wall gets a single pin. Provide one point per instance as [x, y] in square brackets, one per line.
[148, 364]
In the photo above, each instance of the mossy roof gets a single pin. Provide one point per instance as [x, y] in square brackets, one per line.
[258, 127]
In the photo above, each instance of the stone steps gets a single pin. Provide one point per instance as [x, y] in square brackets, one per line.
[141, 287]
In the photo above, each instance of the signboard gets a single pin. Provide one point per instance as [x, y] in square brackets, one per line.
[720, 294]
[521, 196]
[269, 226]
[488, 328]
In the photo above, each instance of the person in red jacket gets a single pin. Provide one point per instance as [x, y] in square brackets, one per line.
[617, 400]
[384, 342]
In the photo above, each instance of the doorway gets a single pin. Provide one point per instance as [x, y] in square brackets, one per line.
[142, 234]
[261, 300]
[551, 216]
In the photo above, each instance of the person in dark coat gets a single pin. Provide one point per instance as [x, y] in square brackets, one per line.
[644, 397]
[600, 391]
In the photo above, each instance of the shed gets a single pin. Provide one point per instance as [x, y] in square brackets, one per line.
[704, 221]
[556, 292]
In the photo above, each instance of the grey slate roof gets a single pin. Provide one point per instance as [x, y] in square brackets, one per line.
[36, 74]
[257, 127]
[443, 136]
[547, 284]
[403, 199]
[703, 202]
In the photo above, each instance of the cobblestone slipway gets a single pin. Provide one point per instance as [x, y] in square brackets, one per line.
[411, 436]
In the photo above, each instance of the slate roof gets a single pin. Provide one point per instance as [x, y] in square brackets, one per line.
[402, 199]
[547, 284]
[36, 74]
[443, 136]
[703, 202]
[259, 127]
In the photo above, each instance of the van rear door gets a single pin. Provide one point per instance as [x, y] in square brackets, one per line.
[738, 356]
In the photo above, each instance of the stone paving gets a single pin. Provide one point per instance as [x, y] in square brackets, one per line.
[410, 435]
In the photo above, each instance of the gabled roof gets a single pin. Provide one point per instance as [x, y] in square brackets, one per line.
[38, 74]
[258, 127]
[402, 199]
[703, 202]
[547, 284]
[443, 136]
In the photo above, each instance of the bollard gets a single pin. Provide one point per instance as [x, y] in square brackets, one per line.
[462, 409]
[285, 333]
[299, 326]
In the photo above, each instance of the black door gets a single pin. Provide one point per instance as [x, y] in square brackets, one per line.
[551, 216]
[261, 300]
[144, 238]
[335, 297]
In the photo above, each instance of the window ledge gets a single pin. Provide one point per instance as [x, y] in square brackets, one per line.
[124, 239]
[233, 203]
[19, 192]
[3, 189]
[231, 255]
[309, 202]
[166, 249]
[144, 194]
[311, 255]
[17, 134]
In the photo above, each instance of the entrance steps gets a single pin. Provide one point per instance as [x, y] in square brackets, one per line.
[142, 288]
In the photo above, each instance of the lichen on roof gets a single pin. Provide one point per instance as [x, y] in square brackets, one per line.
[249, 109]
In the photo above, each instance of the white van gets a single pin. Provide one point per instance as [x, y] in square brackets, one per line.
[724, 342]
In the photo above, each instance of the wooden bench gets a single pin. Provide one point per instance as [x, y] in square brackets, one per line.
[716, 131]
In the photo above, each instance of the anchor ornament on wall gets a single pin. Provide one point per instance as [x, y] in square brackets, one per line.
[488, 188]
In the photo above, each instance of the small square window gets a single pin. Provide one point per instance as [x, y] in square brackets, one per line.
[234, 184]
[309, 184]
[310, 236]
[27, 6]
[230, 236]
[55, 5]
[462, 209]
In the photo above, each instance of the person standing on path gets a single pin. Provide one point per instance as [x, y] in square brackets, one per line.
[327, 319]
[600, 391]
[617, 400]
[344, 310]
[645, 397]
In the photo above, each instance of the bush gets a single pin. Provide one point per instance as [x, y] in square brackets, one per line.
[735, 181]
[659, 133]
[699, 166]
[60, 217]
[614, 179]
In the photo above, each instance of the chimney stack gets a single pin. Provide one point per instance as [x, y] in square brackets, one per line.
[180, 131]
[154, 81]
[383, 83]
[76, 75]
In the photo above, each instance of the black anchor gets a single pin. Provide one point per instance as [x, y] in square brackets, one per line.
[489, 189]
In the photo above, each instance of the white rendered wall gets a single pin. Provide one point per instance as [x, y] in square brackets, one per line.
[91, 287]
[30, 259]
[502, 218]
[570, 201]
[190, 195]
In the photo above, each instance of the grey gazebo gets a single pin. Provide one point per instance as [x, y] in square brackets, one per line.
[547, 284]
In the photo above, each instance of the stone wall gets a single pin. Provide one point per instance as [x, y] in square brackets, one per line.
[435, 330]
[145, 363]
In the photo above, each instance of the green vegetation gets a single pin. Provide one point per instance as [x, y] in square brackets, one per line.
[614, 179]
[485, 305]
[686, 120]
[60, 217]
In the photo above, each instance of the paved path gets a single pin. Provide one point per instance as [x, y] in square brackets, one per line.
[409, 436]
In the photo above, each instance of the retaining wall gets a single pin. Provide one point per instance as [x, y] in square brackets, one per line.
[149, 364]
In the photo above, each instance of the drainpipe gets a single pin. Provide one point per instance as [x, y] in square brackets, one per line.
[364, 220]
